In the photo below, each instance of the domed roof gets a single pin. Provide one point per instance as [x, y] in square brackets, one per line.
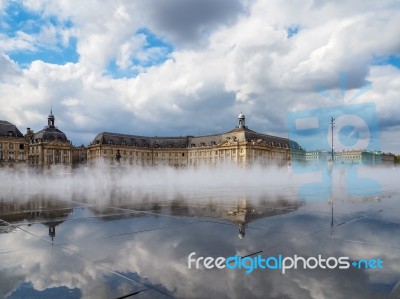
[50, 134]
[9, 129]
[241, 115]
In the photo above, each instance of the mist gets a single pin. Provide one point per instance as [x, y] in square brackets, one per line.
[99, 184]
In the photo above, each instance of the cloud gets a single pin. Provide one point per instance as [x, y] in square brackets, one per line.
[189, 22]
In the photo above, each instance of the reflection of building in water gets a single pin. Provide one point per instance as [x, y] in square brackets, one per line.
[239, 146]
[240, 211]
[47, 212]
[52, 228]
[244, 210]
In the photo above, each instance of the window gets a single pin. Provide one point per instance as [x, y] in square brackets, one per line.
[11, 156]
[11, 146]
[21, 146]
[57, 157]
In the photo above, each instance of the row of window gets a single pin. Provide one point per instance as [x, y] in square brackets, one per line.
[39, 140]
[213, 143]
[57, 159]
[148, 154]
[11, 146]
[35, 150]
[123, 143]
[210, 153]
[201, 144]
[11, 156]
[50, 160]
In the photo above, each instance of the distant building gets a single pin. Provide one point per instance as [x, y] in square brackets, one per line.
[315, 158]
[79, 155]
[49, 148]
[13, 146]
[240, 146]
[349, 157]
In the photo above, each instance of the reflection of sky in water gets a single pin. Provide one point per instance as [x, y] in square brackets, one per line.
[87, 250]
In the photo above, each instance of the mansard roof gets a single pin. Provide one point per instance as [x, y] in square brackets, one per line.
[241, 134]
[140, 141]
[9, 129]
[49, 134]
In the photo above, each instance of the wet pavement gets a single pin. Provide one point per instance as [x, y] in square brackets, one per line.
[138, 246]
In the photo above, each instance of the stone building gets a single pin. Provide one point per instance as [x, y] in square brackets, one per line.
[240, 146]
[79, 156]
[49, 148]
[13, 146]
[349, 157]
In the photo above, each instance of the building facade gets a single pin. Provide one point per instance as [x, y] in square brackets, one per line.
[349, 157]
[240, 146]
[13, 146]
[49, 149]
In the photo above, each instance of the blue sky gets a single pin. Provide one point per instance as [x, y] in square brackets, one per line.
[20, 20]
[188, 67]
